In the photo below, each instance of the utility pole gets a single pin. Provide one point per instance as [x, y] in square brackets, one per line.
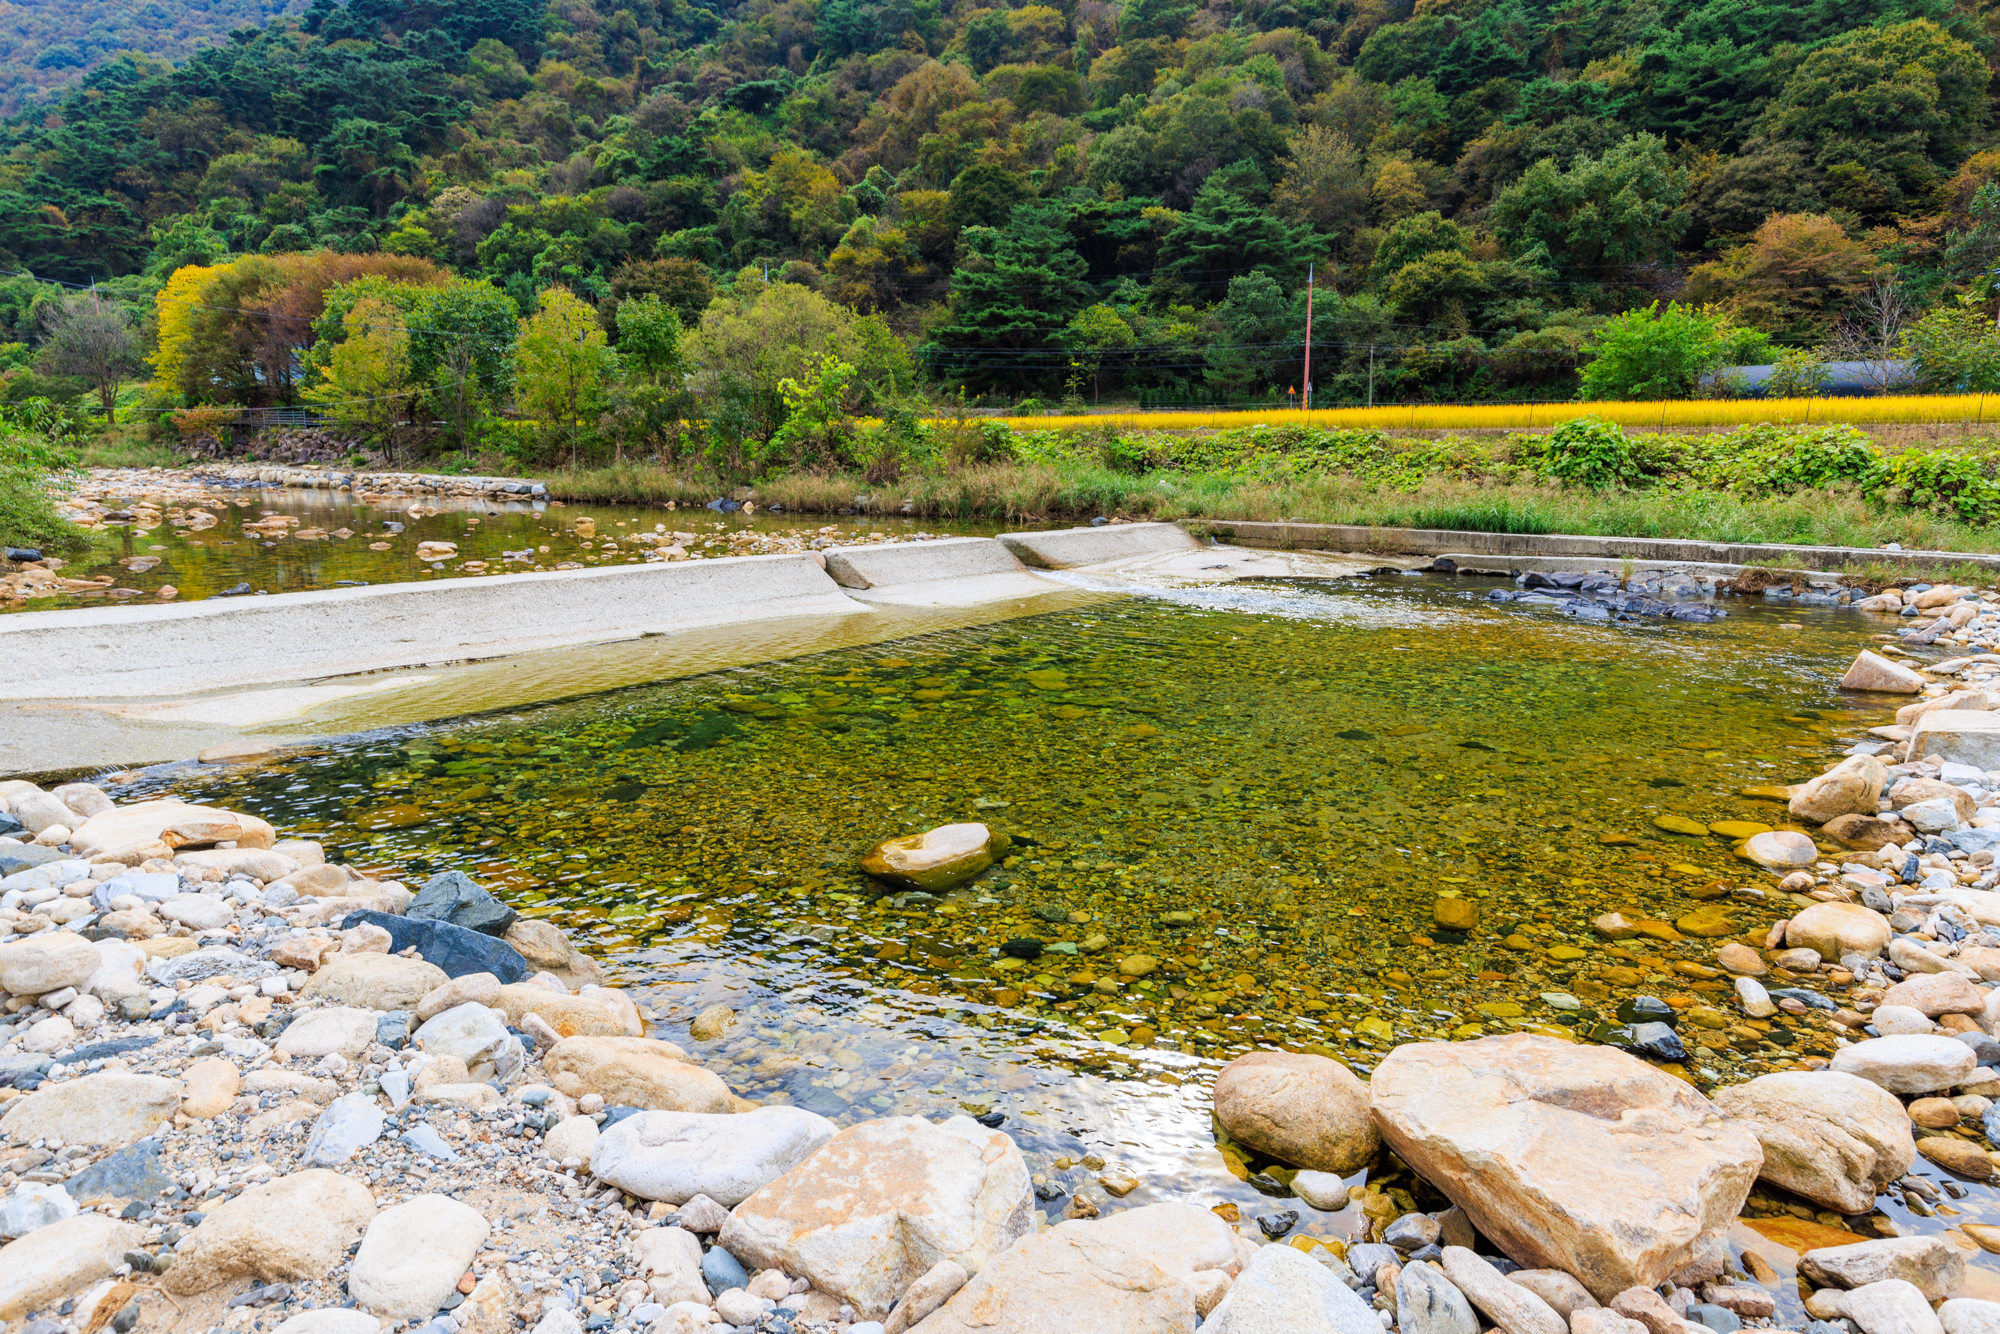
[1309, 339]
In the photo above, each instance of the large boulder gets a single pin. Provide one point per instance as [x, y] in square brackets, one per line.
[1935, 994]
[1069, 1278]
[1833, 1138]
[296, 1227]
[1309, 1111]
[675, 1156]
[1852, 787]
[455, 949]
[639, 1072]
[1917, 791]
[548, 950]
[453, 897]
[110, 1107]
[413, 1255]
[1909, 1062]
[936, 859]
[881, 1202]
[1283, 1289]
[63, 1258]
[42, 964]
[1836, 930]
[148, 826]
[1583, 1159]
[375, 981]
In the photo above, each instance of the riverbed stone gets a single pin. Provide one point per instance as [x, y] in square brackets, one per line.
[1305, 1110]
[62, 1258]
[1890, 1307]
[1969, 1315]
[638, 1072]
[1863, 833]
[1935, 994]
[132, 1173]
[349, 1124]
[296, 1227]
[881, 1202]
[1852, 787]
[375, 981]
[1740, 959]
[336, 1028]
[575, 1139]
[110, 1107]
[1285, 1289]
[670, 1258]
[1563, 1293]
[1832, 1137]
[570, 1016]
[1510, 1306]
[675, 1156]
[548, 950]
[1839, 929]
[1909, 1063]
[1872, 671]
[1428, 1303]
[477, 1036]
[42, 964]
[1930, 1263]
[413, 1254]
[1071, 1277]
[1583, 1159]
[452, 896]
[472, 988]
[454, 949]
[935, 860]
[1957, 1155]
[941, 1282]
[1781, 850]
[143, 826]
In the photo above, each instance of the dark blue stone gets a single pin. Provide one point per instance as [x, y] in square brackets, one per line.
[453, 897]
[722, 1271]
[453, 948]
[129, 1174]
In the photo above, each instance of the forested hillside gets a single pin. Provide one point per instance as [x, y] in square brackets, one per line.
[1084, 199]
[46, 43]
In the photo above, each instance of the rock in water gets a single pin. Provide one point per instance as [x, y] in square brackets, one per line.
[1967, 1315]
[883, 1201]
[1929, 1263]
[1872, 671]
[1308, 1111]
[1834, 1138]
[937, 859]
[1836, 930]
[453, 897]
[675, 1156]
[1781, 850]
[1284, 1289]
[1582, 1159]
[1852, 787]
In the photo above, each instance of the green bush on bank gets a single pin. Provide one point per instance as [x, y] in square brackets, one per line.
[37, 463]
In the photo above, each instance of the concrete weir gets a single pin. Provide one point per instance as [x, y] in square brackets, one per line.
[133, 684]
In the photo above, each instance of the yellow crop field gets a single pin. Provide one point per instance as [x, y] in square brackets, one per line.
[1528, 416]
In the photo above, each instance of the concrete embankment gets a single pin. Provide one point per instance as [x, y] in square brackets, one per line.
[1521, 550]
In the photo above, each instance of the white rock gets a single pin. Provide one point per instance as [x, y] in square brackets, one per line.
[1834, 1138]
[670, 1257]
[331, 1320]
[1891, 1307]
[1754, 999]
[413, 1255]
[47, 1036]
[296, 1227]
[1514, 1308]
[737, 1307]
[476, 1035]
[575, 1137]
[1284, 1290]
[1321, 1190]
[46, 963]
[1894, 1021]
[337, 1028]
[62, 1258]
[348, 1125]
[674, 1156]
[1908, 1064]
[111, 1107]
[32, 1206]
[1967, 1315]
[1936, 816]
[197, 912]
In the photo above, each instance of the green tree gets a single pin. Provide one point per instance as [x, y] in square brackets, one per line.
[649, 332]
[366, 382]
[1625, 207]
[1224, 235]
[1954, 349]
[1654, 353]
[561, 366]
[817, 421]
[1011, 297]
[93, 340]
[1094, 333]
[1255, 336]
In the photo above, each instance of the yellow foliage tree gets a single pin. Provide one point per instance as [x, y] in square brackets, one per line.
[366, 384]
[175, 308]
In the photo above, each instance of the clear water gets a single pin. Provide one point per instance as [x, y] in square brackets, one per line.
[1264, 788]
[341, 541]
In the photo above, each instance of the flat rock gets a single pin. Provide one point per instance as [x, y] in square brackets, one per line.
[1968, 1315]
[675, 1156]
[1583, 1159]
[348, 1125]
[1285, 1290]
[63, 1258]
[1935, 994]
[1063, 1280]
[1909, 1063]
[1564, 1294]
[198, 912]
[413, 1255]
[570, 1016]
[1930, 1263]
[336, 1028]
[452, 948]
[881, 1202]
[296, 1227]
[110, 1107]
[46, 963]
[639, 1072]
[1780, 850]
[453, 897]
[548, 950]
[132, 1173]
[1305, 1110]
[145, 825]
[1836, 930]
[1512, 1307]
[375, 981]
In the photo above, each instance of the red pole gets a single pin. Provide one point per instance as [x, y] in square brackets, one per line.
[1309, 338]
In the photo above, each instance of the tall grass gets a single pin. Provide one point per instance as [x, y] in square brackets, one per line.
[1531, 416]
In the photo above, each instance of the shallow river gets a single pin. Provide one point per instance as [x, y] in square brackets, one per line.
[1265, 788]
